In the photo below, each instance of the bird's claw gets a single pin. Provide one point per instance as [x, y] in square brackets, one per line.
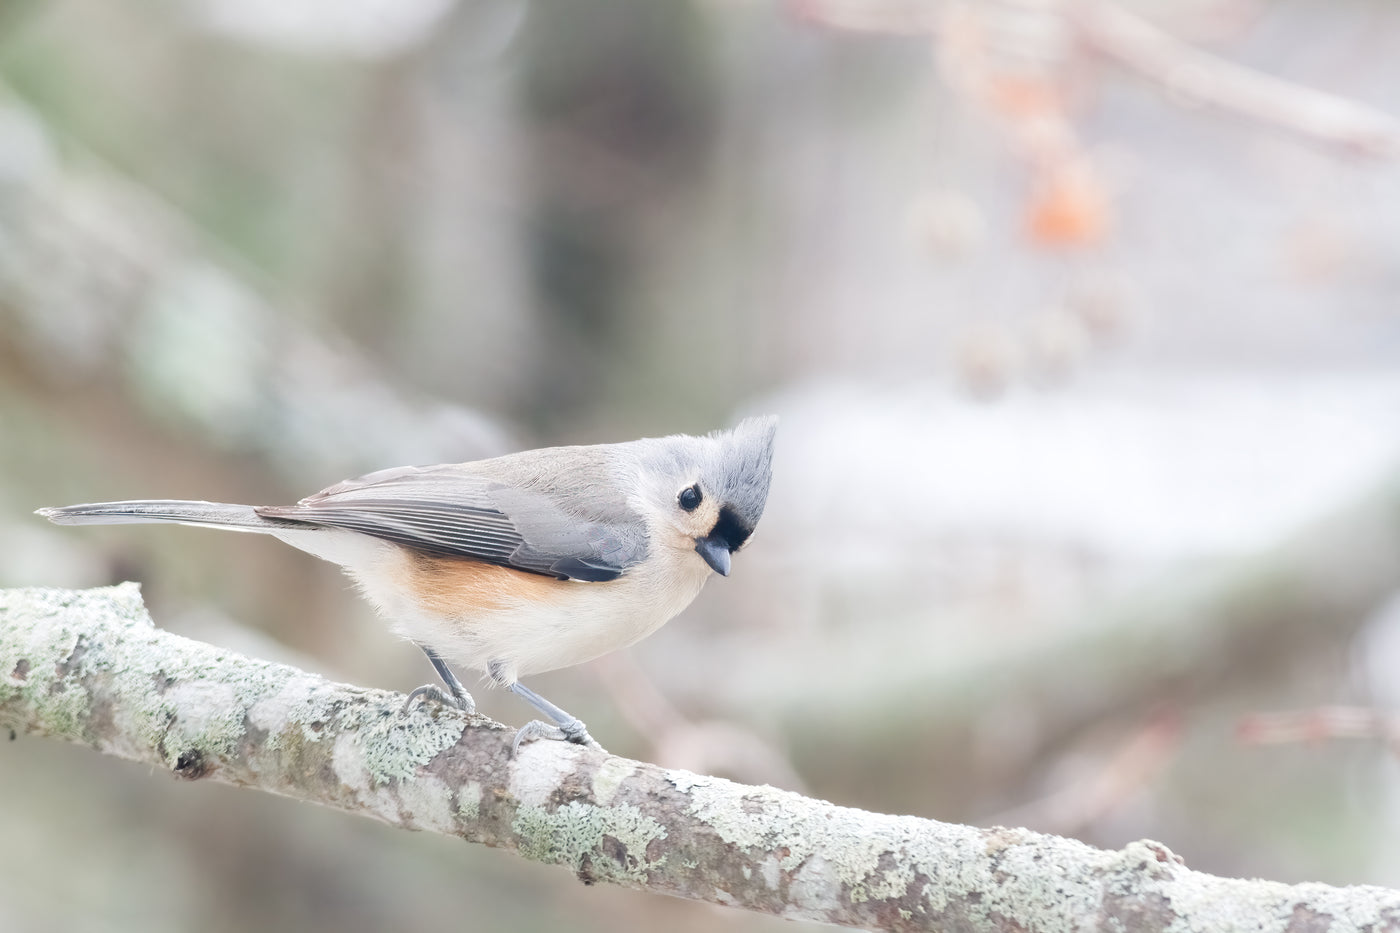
[462, 701]
[573, 730]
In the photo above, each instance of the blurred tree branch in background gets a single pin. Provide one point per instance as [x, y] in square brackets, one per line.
[1328, 724]
[1030, 67]
[1190, 634]
[90, 667]
[107, 291]
[1201, 78]
[1022, 45]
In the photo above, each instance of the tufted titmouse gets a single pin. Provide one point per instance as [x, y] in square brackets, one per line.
[523, 563]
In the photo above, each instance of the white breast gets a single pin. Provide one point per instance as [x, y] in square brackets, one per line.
[571, 623]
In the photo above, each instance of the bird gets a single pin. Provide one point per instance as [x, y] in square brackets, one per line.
[522, 563]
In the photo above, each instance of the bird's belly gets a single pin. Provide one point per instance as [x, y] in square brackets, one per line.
[479, 615]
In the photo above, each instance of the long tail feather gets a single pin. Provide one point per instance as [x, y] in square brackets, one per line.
[217, 514]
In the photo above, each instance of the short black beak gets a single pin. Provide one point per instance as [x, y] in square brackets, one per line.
[716, 553]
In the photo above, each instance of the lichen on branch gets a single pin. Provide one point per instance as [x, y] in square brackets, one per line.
[90, 667]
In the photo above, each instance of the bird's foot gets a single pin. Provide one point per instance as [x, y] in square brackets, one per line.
[457, 699]
[455, 696]
[572, 730]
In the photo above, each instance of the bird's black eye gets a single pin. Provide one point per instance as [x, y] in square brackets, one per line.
[690, 497]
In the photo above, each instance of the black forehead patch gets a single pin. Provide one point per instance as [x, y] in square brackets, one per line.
[731, 529]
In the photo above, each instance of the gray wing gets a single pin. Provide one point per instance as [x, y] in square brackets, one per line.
[457, 510]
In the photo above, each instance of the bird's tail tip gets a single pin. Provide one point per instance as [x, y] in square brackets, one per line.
[219, 514]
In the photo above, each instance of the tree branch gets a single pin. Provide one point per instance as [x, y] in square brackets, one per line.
[89, 666]
[1121, 35]
[99, 280]
[1203, 78]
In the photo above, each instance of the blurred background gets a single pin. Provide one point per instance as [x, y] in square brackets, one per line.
[1081, 320]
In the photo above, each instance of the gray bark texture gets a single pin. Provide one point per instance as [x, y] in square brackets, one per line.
[90, 667]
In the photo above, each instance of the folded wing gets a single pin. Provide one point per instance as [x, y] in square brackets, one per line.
[458, 510]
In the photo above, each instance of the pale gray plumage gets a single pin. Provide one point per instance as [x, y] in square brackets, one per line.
[481, 511]
[562, 511]
[602, 516]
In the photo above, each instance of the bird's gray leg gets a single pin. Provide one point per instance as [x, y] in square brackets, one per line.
[565, 727]
[456, 695]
